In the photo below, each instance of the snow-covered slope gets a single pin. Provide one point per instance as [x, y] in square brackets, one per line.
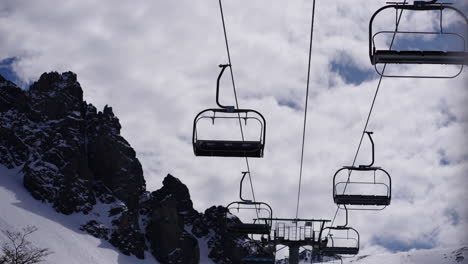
[61, 234]
[56, 231]
[422, 256]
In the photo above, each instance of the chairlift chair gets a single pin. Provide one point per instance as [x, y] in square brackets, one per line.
[260, 226]
[344, 242]
[379, 200]
[229, 147]
[392, 56]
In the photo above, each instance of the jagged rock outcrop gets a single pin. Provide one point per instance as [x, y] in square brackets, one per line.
[64, 144]
[225, 247]
[73, 156]
[169, 210]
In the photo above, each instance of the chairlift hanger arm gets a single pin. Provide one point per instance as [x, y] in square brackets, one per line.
[369, 134]
[240, 189]
[346, 223]
[223, 68]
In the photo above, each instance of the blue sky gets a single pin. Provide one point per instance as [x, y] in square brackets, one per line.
[155, 63]
[7, 71]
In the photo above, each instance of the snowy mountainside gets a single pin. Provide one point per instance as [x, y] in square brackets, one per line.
[60, 233]
[415, 256]
[421, 256]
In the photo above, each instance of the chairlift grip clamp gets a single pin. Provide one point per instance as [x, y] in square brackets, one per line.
[421, 4]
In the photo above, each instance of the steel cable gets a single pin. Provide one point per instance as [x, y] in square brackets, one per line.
[305, 108]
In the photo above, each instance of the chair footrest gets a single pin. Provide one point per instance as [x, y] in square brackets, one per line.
[260, 229]
[420, 57]
[225, 148]
[340, 251]
[379, 200]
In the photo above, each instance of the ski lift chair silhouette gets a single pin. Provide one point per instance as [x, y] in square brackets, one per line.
[258, 226]
[342, 183]
[342, 241]
[229, 147]
[337, 243]
[392, 56]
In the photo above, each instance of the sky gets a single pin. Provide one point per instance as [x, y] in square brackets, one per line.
[156, 64]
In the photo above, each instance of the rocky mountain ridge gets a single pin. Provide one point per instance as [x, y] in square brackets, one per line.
[73, 157]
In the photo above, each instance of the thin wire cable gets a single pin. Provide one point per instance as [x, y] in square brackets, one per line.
[281, 248]
[235, 95]
[305, 108]
[370, 110]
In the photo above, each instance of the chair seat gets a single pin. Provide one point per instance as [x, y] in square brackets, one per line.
[226, 148]
[420, 57]
[340, 251]
[379, 200]
[259, 229]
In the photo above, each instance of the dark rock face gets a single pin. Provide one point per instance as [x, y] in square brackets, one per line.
[56, 95]
[171, 209]
[173, 187]
[73, 157]
[109, 152]
[65, 144]
[225, 247]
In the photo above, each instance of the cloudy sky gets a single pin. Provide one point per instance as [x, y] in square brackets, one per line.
[155, 63]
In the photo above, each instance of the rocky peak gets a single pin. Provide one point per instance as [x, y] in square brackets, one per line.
[55, 84]
[71, 155]
[110, 119]
[179, 191]
[56, 95]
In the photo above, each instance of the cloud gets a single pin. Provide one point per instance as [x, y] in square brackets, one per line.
[155, 63]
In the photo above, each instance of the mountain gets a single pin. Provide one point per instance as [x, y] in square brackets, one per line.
[72, 157]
